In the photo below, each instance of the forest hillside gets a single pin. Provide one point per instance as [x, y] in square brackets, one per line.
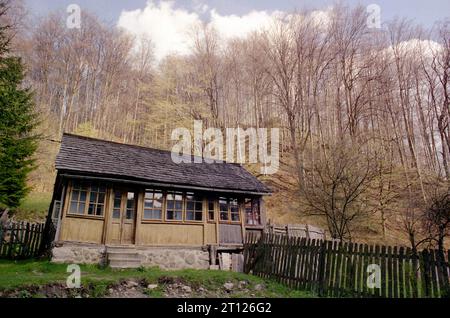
[363, 113]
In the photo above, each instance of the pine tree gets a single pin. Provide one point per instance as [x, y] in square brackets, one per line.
[18, 119]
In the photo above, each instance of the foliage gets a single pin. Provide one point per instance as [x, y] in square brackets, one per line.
[17, 122]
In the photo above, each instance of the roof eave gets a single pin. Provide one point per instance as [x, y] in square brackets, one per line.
[80, 175]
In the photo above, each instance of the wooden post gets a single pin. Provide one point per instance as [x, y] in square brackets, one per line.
[241, 206]
[109, 204]
[139, 213]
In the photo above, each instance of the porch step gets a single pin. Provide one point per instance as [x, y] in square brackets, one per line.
[125, 257]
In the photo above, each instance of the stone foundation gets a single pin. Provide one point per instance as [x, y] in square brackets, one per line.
[79, 254]
[163, 257]
[174, 258]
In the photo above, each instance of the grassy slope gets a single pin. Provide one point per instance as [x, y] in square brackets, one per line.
[34, 207]
[34, 273]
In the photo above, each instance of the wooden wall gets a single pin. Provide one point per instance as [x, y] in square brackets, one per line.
[82, 230]
[170, 234]
[148, 233]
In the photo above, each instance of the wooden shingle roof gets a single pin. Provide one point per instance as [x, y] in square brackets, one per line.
[105, 158]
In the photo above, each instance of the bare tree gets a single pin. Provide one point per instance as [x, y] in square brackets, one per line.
[338, 184]
[436, 218]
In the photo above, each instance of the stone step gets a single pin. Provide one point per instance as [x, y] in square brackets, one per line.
[120, 250]
[131, 257]
[123, 255]
[119, 265]
[126, 262]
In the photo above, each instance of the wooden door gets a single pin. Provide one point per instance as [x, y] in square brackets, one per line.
[123, 217]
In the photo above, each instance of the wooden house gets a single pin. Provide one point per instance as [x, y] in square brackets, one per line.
[109, 194]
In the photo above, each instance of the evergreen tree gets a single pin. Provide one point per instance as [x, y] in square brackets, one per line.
[18, 141]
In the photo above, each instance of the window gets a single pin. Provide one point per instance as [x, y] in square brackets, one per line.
[129, 215]
[87, 199]
[116, 206]
[153, 205]
[229, 209]
[78, 198]
[211, 212]
[96, 200]
[194, 207]
[234, 210]
[174, 206]
[223, 207]
[252, 212]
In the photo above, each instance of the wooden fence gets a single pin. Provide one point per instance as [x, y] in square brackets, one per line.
[297, 230]
[22, 240]
[336, 269]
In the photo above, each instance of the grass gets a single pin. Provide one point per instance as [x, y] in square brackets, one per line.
[17, 274]
[34, 207]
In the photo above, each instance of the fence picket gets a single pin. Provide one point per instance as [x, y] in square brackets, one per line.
[21, 240]
[328, 268]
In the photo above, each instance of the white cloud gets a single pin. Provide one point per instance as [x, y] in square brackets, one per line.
[415, 46]
[231, 26]
[169, 27]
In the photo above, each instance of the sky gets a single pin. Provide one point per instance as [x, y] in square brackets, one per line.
[167, 22]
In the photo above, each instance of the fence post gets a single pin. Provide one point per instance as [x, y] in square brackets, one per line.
[321, 274]
[11, 240]
[424, 260]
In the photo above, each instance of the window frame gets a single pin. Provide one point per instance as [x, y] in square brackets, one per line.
[253, 202]
[214, 210]
[195, 196]
[166, 210]
[229, 219]
[163, 205]
[87, 202]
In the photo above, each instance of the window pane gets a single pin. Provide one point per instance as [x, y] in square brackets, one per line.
[211, 210]
[198, 206]
[157, 203]
[75, 195]
[99, 210]
[223, 205]
[130, 214]
[116, 214]
[170, 215]
[190, 216]
[157, 214]
[91, 209]
[101, 198]
[224, 216]
[178, 215]
[198, 216]
[73, 207]
[93, 197]
[178, 205]
[158, 196]
[83, 195]
[148, 204]
[81, 208]
[190, 206]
